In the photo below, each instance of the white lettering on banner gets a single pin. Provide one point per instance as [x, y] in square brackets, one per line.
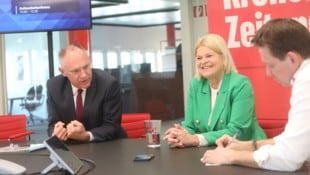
[260, 3]
[247, 29]
[241, 29]
[304, 21]
[233, 21]
[237, 4]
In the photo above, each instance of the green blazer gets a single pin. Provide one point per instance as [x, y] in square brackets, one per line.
[234, 109]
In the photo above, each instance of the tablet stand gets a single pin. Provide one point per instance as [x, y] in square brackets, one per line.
[52, 165]
[61, 156]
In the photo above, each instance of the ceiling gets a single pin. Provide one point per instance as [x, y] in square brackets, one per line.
[135, 13]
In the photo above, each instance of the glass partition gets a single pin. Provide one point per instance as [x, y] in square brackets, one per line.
[27, 70]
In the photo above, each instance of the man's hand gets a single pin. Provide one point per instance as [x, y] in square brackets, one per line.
[224, 141]
[234, 144]
[218, 156]
[76, 131]
[60, 131]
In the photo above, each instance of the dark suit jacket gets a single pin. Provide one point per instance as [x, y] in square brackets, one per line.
[102, 105]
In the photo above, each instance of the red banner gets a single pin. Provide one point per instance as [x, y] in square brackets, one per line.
[238, 20]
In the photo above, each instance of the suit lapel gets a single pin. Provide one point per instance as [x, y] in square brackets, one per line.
[90, 95]
[68, 94]
[220, 102]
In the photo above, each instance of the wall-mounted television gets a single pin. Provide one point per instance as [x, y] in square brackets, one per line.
[44, 15]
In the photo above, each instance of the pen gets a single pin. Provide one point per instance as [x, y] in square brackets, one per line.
[233, 138]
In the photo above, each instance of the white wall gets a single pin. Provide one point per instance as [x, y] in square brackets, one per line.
[192, 28]
[2, 78]
[128, 38]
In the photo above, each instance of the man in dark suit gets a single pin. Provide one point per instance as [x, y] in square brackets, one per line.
[101, 100]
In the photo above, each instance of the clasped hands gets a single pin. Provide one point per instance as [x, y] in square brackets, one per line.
[178, 137]
[74, 130]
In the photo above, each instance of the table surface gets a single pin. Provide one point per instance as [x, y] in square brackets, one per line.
[116, 158]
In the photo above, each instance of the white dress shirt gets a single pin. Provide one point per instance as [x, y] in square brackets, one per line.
[75, 93]
[292, 147]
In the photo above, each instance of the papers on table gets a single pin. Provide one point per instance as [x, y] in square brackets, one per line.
[18, 148]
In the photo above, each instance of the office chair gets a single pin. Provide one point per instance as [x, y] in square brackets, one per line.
[13, 127]
[133, 123]
[33, 100]
[272, 126]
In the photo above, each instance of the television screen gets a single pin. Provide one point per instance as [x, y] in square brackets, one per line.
[44, 15]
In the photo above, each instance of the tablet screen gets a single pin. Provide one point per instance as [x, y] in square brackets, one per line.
[61, 152]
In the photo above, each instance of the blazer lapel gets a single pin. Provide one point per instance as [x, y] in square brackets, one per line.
[205, 99]
[220, 102]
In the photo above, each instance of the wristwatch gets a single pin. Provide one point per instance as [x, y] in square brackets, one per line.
[254, 145]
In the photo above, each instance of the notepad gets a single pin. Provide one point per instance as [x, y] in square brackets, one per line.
[18, 148]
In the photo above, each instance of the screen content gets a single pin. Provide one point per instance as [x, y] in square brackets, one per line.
[65, 156]
[44, 15]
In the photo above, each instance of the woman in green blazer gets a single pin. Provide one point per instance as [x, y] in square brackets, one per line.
[220, 101]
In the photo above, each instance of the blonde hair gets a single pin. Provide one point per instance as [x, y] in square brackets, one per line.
[217, 44]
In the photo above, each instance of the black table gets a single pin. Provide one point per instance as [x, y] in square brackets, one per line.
[116, 158]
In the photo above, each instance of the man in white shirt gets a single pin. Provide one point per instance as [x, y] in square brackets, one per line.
[284, 47]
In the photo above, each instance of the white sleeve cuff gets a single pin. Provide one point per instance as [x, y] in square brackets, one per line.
[261, 155]
[91, 136]
[202, 140]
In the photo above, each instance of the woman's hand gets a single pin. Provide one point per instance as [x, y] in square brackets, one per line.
[179, 137]
[171, 136]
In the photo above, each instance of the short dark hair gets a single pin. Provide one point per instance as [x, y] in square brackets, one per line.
[282, 35]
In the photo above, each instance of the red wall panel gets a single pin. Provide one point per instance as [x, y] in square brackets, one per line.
[272, 99]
